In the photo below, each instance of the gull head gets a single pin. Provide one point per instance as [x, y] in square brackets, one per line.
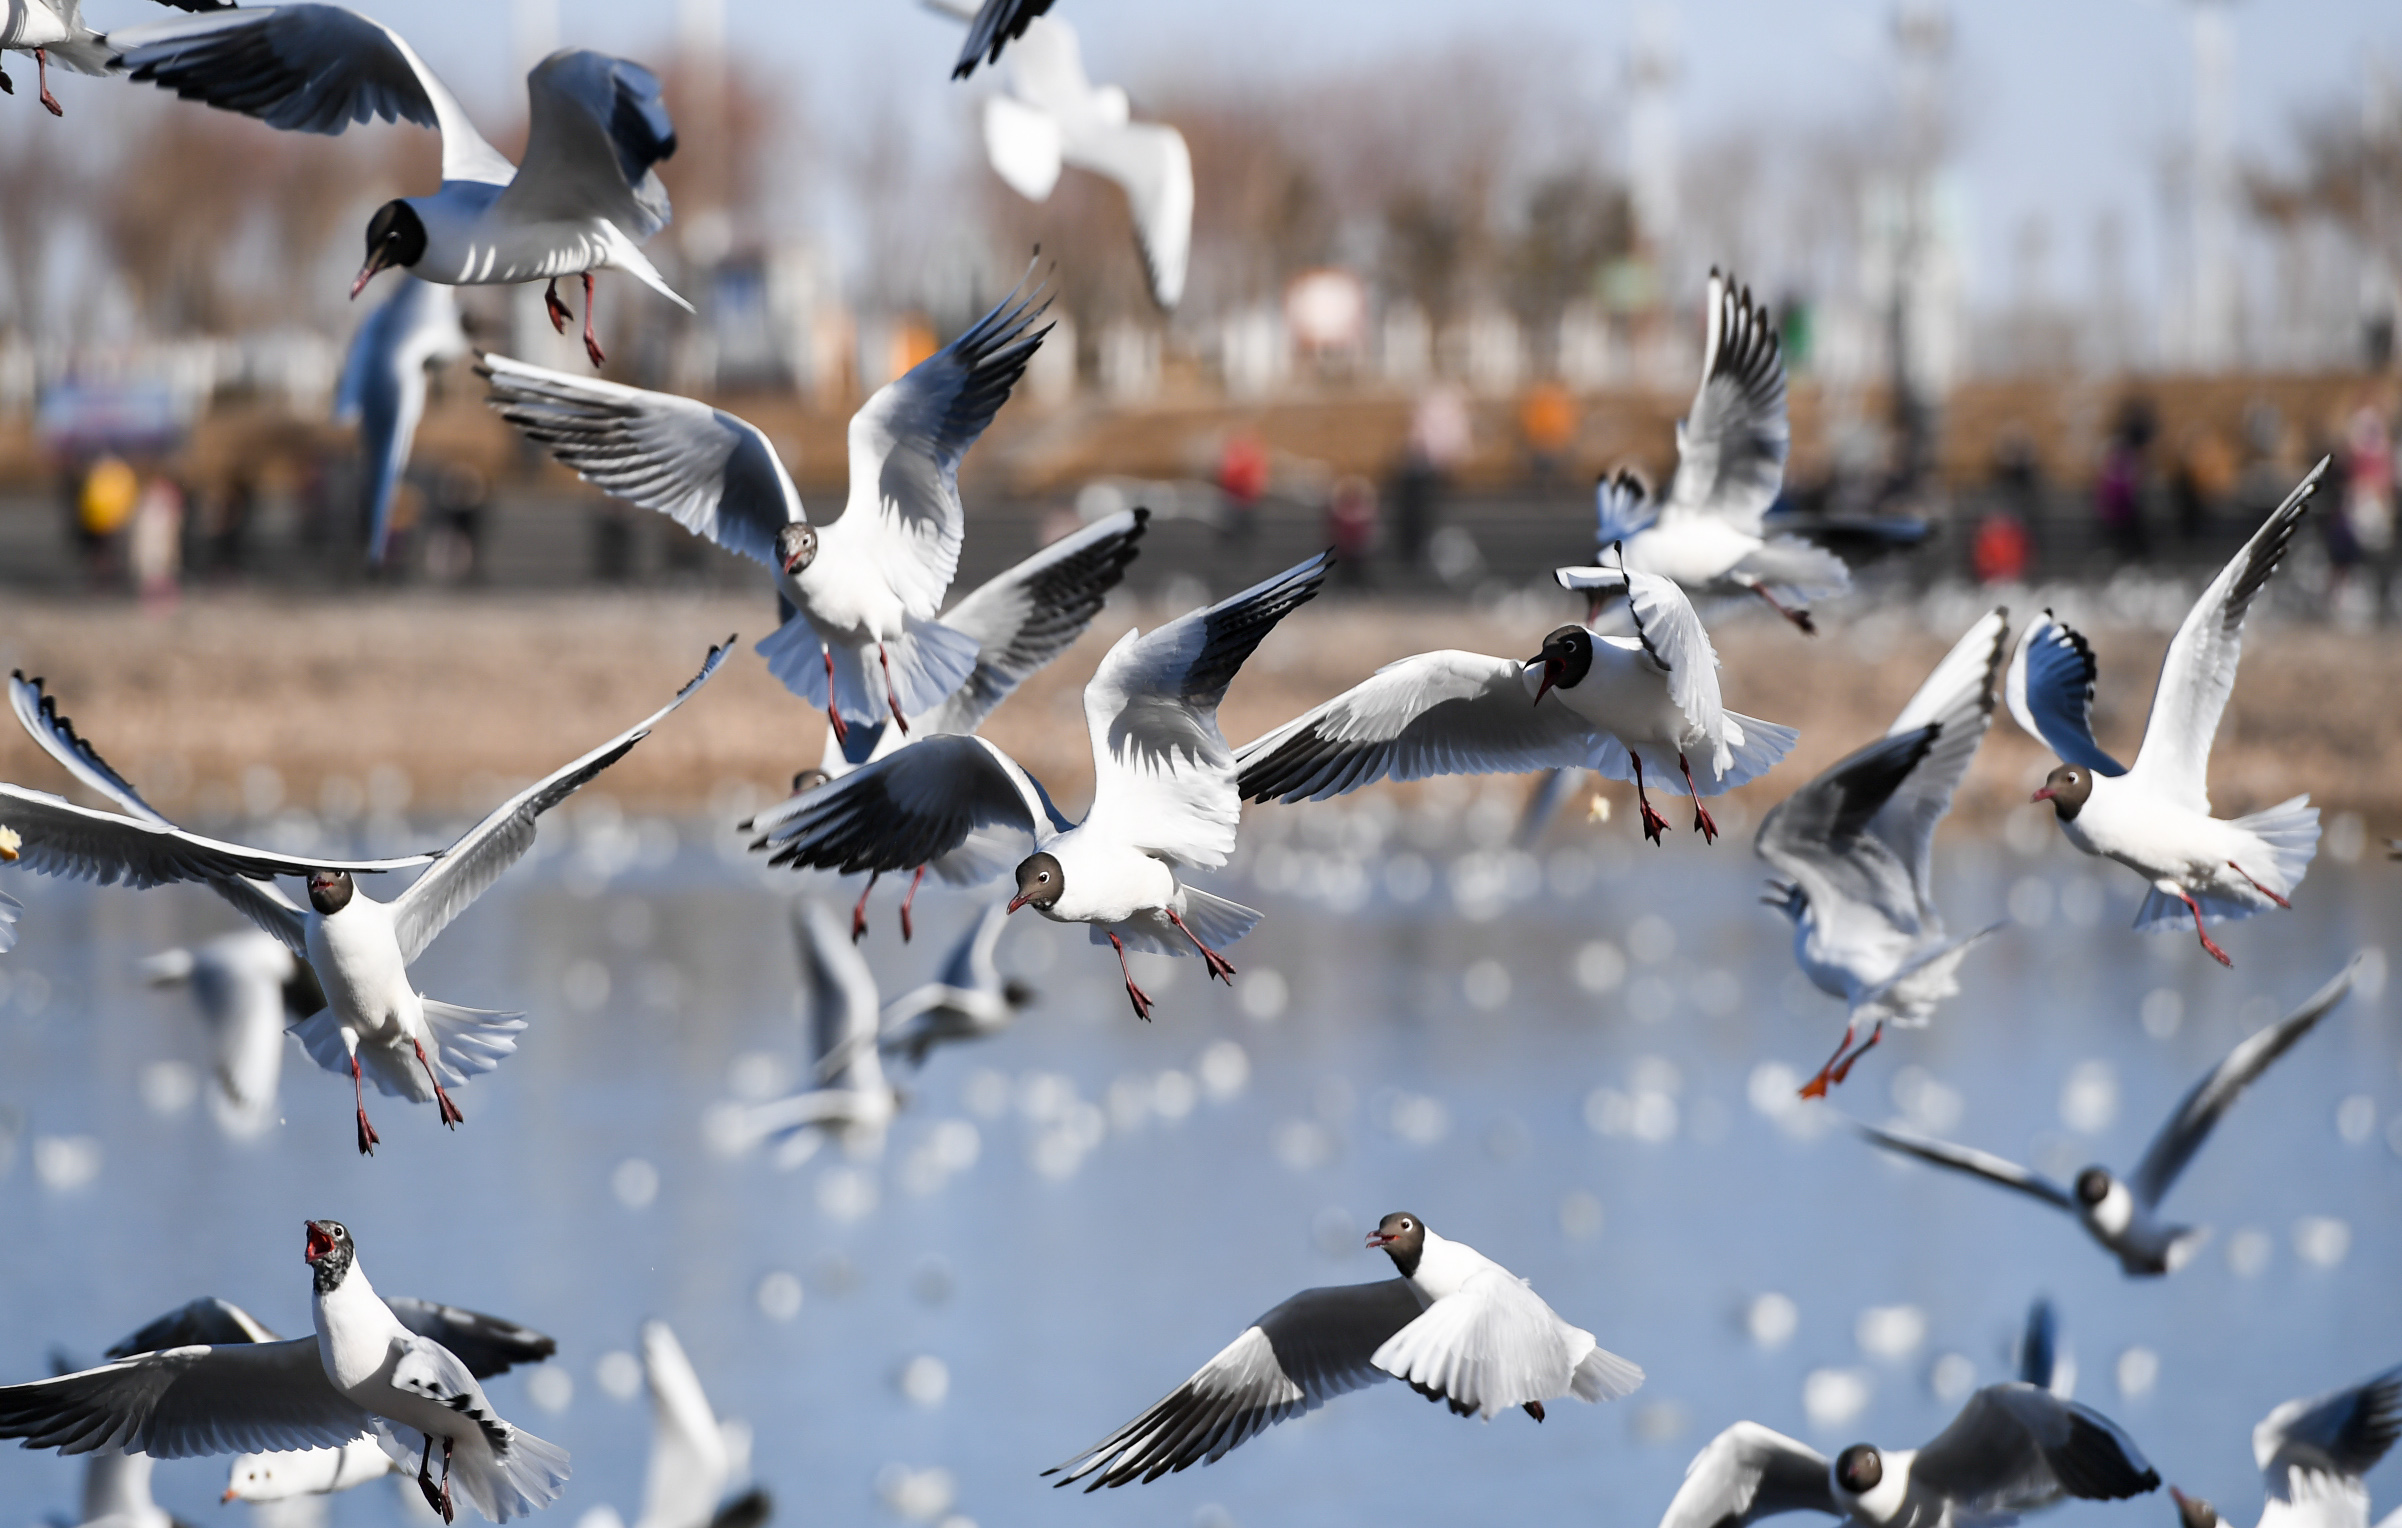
[329, 891]
[808, 780]
[1040, 881]
[1566, 658]
[395, 237]
[2194, 1512]
[1016, 994]
[329, 1253]
[1860, 1469]
[796, 547]
[1402, 1237]
[2066, 789]
[2093, 1186]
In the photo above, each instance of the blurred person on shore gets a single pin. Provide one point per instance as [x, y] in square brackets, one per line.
[1242, 482]
[2002, 548]
[454, 545]
[1547, 427]
[154, 544]
[2360, 535]
[1438, 442]
[1351, 528]
[2118, 490]
[2201, 482]
[104, 504]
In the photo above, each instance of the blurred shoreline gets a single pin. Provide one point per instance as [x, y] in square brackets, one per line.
[243, 705]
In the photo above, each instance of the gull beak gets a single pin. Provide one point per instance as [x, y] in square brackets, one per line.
[1018, 901]
[2042, 795]
[375, 263]
[1551, 676]
[228, 1497]
[1378, 1239]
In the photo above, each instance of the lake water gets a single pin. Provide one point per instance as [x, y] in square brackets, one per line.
[1581, 1062]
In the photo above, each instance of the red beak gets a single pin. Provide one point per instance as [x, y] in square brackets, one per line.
[319, 1242]
[1378, 1239]
[1551, 676]
[2043, 795]
[1018, 901]
[367, 273]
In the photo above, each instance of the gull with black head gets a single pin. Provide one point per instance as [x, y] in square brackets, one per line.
[2312, 1453]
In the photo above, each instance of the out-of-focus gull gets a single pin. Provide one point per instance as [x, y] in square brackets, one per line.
[851, 1101]
[2312, 1454]
[364, 1372]
[2123, 1214]
[992, 26]
[54, 29]
[1053, 116]
[375, 1022]
[1456, 1327]
[1709, 534]
[1857, 849]
[294, 1473]
[2154, 817]
[383, 388]
[586, 195]
[2012, 1449]
[1019, 620]
[969, 1000]
[1164, 796]
[2042, 1362]
[248, 985]
[696, 1460]
[864, 589]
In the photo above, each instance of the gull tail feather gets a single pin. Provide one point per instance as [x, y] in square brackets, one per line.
[1755, 753]
[1907, 998]
[469, 1041]
[1604, 1376]
[1806, 572]
[795, 654]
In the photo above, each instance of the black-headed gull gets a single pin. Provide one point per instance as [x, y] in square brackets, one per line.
[1054, 116]
[1708, 533]
[1599, 702]
[1857, 848]
[849, 1098]
[1020, 620]
[997, 23]
[1164, 796]
[587, 194]
[696, 1460]
[1456, 1327]
[2124, 1214]
[2154, 816]
[2312, 1453]
[969, 1000]
[2012, 1449]
[248, 985]
[363, 1373]
[865, 639]
[383, 388]
[375, 1022]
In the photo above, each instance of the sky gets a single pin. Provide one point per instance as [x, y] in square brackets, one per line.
[2067, 106]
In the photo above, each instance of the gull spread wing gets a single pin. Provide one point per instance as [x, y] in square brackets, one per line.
[1671, 631]
[1820, 835]
[906, 809]
[61, 838]
[1023, 144]
[906, 442]
[1297, 1357]
[1164, 779]
[2337, 1437]
[1730, 450]
[1983, 1164]
[207, 1321]
[1958, 698]
[1032, 613]
[998, 23]
[1623, 509]
[1441, 713]
[843, 1003]
[187, 1401]
[690, 1467]
[487, 1345]
[493, 845]
[705, 469]
[2198, 673]
[2050, 689]
[595, 131]
[2014, 1448]
[1747, 1473]
[310, 69]
[1152, 164]
[1493, 1344]
[2199, 1111]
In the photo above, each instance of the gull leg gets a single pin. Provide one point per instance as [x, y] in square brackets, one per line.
[2256, 886]
[443, 1506]
[1701, 814]
[358, 1090]
[1816, 1087]
[1874, 1035]
[425, 1475]
[909, 897]
[7, 85]
[842, 734]
[555, 308]
[450, 1111]
[1653, 823]
[1798, 616]
[1142, 999]
[890, 698]
[1534, 1409]
[2208, 943]
[41, 72]
[591, 345]
[1219, 966]
[859, 912]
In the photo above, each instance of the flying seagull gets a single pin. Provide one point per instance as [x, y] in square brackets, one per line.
[2312, 1453]
[383, 388]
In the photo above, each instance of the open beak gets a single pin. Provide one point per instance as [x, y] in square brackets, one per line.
[1378, 1239]
[320, 1243]
[1018, 901]
[1551, 676]
[375, 263]
[2042, 795]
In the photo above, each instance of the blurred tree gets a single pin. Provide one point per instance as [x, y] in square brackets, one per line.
[1576, 221]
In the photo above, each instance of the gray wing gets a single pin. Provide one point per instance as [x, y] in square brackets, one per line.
[1730, 450]
[2050, 689]
[1031, 614]
[308, 69]
[2014, 1448]
[1959, 698]
[998, 23]
[711, 473]
[81, 843]
[1982, 1164]
[493, 845]
[1747, 1473]
[843, 1004]
[2343, 1433]
[1294, 1359]
[597, 127]
[1819, 836]
[1154, 166]
[487, 1345]
[207, 1321]
[189, 1401]
[905, 809]
[1440, 713]
[2200, 1109]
